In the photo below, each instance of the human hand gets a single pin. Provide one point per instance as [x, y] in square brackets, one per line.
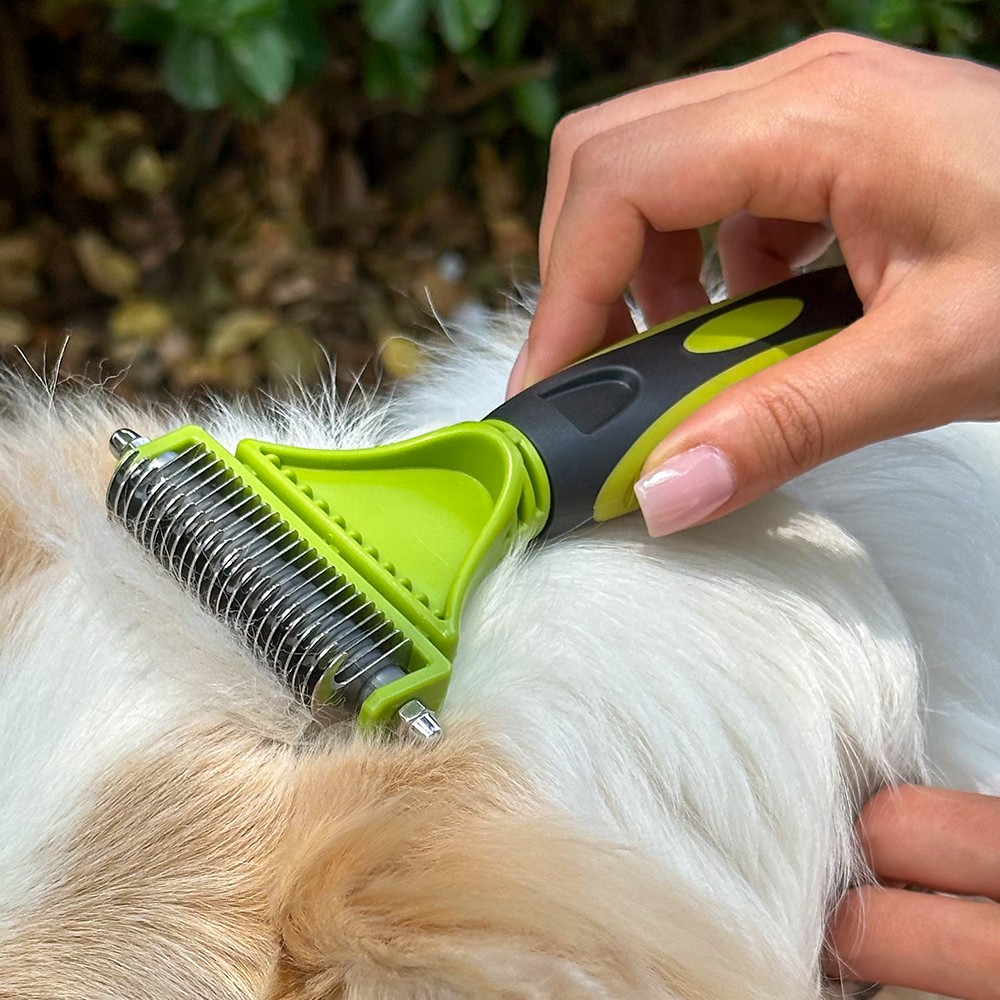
[936, 839]
[896, 151]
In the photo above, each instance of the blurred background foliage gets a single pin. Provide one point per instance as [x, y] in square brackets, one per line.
[229, 193]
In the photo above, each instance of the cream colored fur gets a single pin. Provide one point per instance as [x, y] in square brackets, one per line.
[655, 749]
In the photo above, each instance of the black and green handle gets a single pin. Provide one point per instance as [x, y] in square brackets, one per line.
[595, 423]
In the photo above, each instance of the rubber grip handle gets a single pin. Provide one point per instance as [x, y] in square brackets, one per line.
[594, 424]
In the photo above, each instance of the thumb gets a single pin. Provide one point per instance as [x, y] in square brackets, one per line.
[890, 373]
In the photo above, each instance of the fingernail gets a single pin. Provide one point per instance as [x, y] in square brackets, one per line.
[516, 381]
[685, 489]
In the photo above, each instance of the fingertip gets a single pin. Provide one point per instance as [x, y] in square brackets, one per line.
[759, 252]
[847, 946]
[843, 934]
[516, 381]
[566, 328]
[668, 281]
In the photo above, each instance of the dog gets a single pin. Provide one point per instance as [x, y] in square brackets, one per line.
[654, 752]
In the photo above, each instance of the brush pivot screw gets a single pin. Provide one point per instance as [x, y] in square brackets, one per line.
[124, 440]
[417, 720]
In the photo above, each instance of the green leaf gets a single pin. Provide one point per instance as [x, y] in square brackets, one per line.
[483, 13]
[194, 70]
[537, 105]
[206, 17]
[263, 60]
[900, 20]
[963, 24]
[392, 72]
[456, 25]
[303, 28]
[399, 22]
[142, 23]
[379, 71]
[510, 28]
[477, 63]
[461, 22]
[219, 17]
[237, 9]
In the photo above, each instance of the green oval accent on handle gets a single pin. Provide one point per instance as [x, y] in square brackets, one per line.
[617, 496]
[744, 325]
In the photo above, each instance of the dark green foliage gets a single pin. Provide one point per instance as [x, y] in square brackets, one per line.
[410, 37]
[250, 53]
[537, 104]
[393, 71]
[950, 26]
[247, 53]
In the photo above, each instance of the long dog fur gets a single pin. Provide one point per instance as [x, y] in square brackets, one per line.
[655, 752]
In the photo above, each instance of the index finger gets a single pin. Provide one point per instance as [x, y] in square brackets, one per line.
[768, 150]
[575, 129]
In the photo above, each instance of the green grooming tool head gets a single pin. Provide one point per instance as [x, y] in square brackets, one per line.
[345, 570]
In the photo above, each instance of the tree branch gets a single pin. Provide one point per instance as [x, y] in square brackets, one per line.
[493, 85]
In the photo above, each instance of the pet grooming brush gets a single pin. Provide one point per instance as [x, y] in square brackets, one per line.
[346, 571]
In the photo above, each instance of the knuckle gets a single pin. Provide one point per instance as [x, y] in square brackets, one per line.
[590, 163]
[824, 109]
[846, 79]
[571, 130]
[791, 427]
[833, 40]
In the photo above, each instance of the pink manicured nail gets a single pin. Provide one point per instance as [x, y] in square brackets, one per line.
[685, 489]
[516, 381]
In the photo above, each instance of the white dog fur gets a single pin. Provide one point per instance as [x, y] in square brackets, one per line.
[656, 749]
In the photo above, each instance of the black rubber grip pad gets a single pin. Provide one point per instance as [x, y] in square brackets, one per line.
[584, 419]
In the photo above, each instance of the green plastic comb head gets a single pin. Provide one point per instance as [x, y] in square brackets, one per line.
[407, 527]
